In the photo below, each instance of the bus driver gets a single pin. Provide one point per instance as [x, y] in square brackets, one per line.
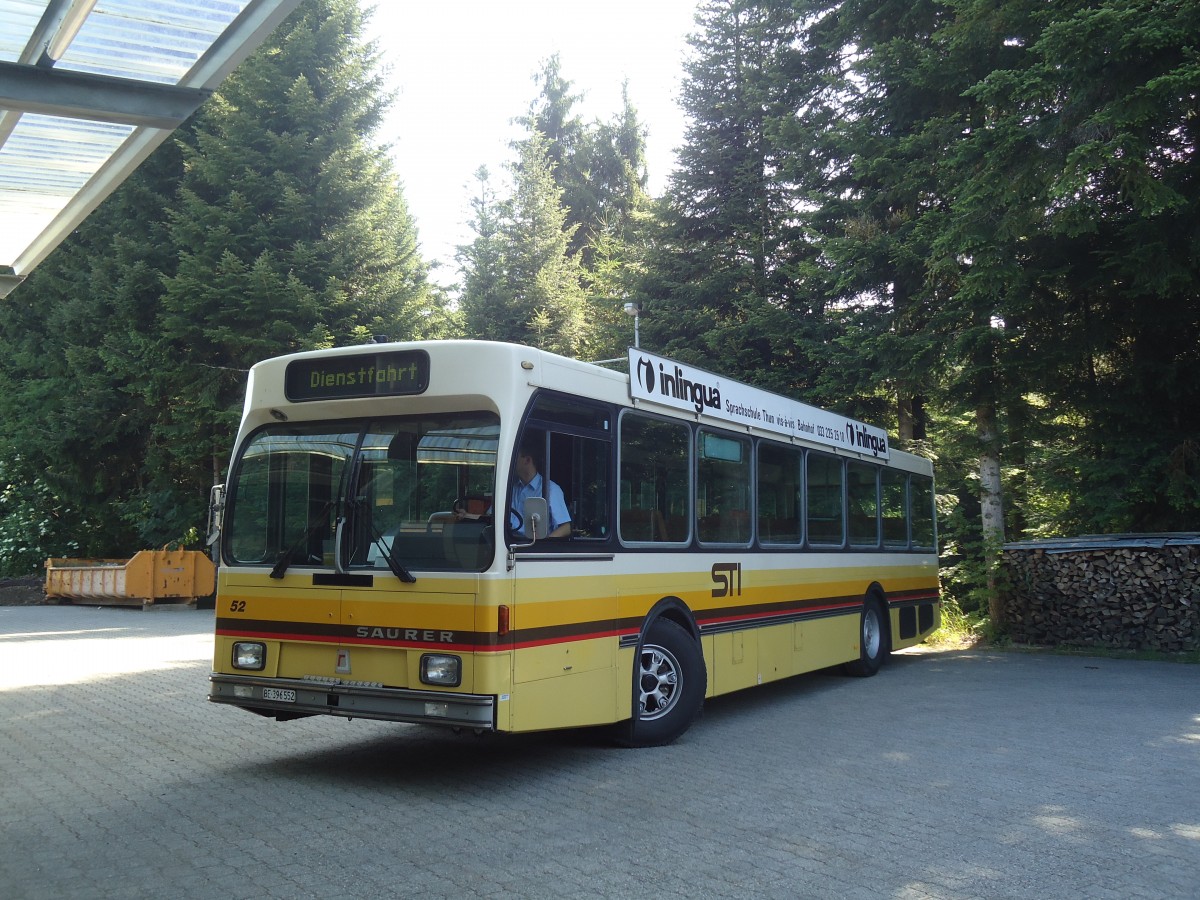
[530, 483]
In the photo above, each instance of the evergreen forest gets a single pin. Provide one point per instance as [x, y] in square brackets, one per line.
[976, 224]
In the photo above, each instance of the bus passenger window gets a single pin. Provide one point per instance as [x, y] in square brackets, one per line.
[922, 512]
[655, 493]
[722, 488]
[580, 466]
[825, 515]
[778, 494]
[862, 500]
[895, 508]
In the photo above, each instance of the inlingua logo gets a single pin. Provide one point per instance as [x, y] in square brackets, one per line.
[645, 374]
[699, 393]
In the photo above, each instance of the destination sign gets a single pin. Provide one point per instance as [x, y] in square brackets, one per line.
[360, 375]
[658, 380]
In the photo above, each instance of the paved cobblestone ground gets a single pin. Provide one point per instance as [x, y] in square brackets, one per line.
[963, 774]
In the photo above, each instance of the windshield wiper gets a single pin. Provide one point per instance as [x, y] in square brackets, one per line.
[388, 553]
[285, 558]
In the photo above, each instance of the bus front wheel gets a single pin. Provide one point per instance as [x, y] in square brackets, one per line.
[669, 685]
[872, 640]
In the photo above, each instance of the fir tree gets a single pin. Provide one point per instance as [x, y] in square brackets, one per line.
[722, 288]
[485, 292]
[291, 232]
[269, 224]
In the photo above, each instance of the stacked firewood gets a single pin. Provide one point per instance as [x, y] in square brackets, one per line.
[1126, 593]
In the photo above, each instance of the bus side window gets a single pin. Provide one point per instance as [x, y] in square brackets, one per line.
[779, 473]
[575, 436]
[921, 493]
[722, 500]
[895, 508]
[824, 501]
[862, 501]
[655, 483]
[580, 466]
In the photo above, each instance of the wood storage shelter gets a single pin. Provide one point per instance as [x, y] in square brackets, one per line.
[1134, 591]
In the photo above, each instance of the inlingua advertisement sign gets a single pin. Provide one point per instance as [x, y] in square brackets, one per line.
[655, 379]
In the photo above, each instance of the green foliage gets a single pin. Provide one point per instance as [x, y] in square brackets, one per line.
[974, 220]
[35, 524]
[543, 266]
[959, 629]
[270, 223]
[600, 168]
[974, 223]
[725, 283]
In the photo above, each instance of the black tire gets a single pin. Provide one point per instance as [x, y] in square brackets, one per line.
[669, 683]
[873, 640]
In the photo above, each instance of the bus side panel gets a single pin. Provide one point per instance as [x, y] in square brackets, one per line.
[735, 661]
[563, 619]
[829, 642]
[572, 700]
[777, 657]
[906, 623]
[563, 658]
[564, 634]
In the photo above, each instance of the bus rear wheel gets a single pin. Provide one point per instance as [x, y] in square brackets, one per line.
[872, 640]
[669, 681]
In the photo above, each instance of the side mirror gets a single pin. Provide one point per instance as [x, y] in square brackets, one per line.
[537, 518]
[216, 512]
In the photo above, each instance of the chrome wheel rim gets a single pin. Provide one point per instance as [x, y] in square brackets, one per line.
[660, 679]
[872, 636]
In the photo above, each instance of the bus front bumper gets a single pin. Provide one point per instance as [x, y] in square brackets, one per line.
[293, 697]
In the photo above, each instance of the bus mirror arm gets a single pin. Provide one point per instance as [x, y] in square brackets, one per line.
[536, 516]
[216, 512]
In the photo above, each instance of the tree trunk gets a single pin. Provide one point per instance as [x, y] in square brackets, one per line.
[910, 412]
[991, 502]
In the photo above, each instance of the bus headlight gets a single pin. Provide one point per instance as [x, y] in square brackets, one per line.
[440, 669]
[249, 655]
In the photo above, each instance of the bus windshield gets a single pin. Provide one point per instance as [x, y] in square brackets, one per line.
[418, 489]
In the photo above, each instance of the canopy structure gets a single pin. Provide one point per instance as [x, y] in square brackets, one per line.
[88, 88]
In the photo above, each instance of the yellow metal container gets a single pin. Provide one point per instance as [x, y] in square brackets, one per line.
[151, 576]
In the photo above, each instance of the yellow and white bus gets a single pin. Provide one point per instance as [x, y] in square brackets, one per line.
[371, 563]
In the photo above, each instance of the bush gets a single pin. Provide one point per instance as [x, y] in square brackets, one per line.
[34, 522]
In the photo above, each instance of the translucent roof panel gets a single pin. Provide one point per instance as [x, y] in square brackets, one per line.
[18, 19]
[151, 40]
[88, 89]
[43, 164]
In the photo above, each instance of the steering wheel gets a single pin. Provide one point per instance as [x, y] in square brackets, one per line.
[520, 526]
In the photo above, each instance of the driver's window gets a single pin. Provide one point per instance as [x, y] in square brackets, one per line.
[564, 455]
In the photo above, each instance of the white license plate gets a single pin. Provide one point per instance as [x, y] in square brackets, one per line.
[280, 695]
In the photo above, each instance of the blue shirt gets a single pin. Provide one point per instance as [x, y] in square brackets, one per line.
[559, 514]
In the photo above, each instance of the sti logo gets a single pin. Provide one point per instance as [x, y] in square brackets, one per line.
[728, 579]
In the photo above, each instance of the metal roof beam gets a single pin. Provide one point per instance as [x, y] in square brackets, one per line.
[99, 98]
[7, 283]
